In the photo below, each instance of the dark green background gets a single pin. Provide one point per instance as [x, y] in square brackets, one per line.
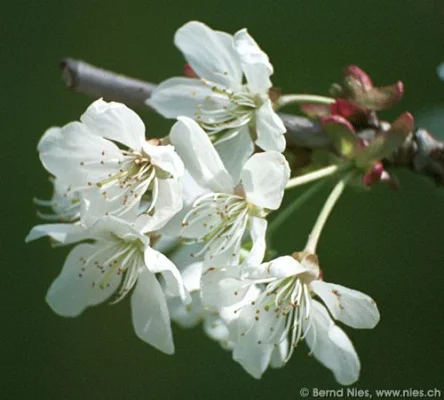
[386, 243]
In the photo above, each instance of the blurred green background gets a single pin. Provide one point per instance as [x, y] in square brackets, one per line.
[386, 243]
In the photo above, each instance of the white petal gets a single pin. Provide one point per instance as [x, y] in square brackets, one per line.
[189, 266]
[270, 128]
[191, 276]
[182, 96]
[234, 150]
[75, 289]
[210, 53]
[187, 316]
[94, 205]
[115, 121]
[198, 228]
[165, 158]
[230, 314]
[190, 192]
[253, 357]
[62, 233]
[279, 355]
[150, 315]
[258, 230]
[264, 177]
[255, 62]
[222, 287]
[158, 263]
[110, 227]
[331, 346]
[261, 325]
[349, 306]
[74, 155]
[279, 268]
[225, 250]
[168, 204]
[217, 330]
[166, 244]
[64, 201]
[199, 156]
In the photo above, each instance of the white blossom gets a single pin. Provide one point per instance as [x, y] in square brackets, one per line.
[285, 312]
[107, 160]
[215, 323]
[119, 258]
[65, 207]
[193, 313]
[236, 202]
[220, 100]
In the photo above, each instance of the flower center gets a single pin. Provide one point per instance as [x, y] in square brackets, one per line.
[226, 109]
[135, 168]
[65, 207]
[114, 259]
[219, 220]
[284, 308]
[134, 175]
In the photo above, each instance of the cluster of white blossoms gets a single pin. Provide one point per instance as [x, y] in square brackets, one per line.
[181, 222]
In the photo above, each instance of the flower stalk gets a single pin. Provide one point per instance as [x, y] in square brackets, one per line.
[287, 99]
[332, 199]
[312, 176]
[301, 200]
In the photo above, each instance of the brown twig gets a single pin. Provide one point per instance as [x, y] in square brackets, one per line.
[97, 82]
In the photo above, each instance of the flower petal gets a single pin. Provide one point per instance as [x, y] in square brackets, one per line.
[270, 128]
[63, 234]
[165, 158]
[264, 178]
[279, 268]
[234, 150]
[255, 62]
[74, 155]
[190, 192]
[231, 314]
[222, 287]
[187, 316]
[150, 315]
[199, 156]
[78, 285]
[109, 227]
[349, 306]
[190, 267]
[279, 355]
[258, 230]
[168, 204]
[94, 204]
[198, 228]
[331, 346]
[115, 121]
[217, 330]
[182, 96]
[210, 53]
[225, 249]
[252, 354]
[158, 263]
[191, 276]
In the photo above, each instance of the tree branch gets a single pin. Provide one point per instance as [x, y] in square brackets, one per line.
[97, 82]
[421, 152]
